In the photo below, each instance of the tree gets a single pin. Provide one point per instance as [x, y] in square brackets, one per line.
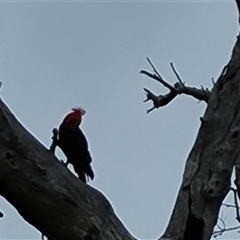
[62, 208]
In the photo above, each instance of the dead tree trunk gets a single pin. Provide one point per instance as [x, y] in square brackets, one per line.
[209, 167]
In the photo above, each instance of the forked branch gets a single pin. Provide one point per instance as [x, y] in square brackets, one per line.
[178, 88]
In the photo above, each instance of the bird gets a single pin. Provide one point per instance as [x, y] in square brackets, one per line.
[72, 141]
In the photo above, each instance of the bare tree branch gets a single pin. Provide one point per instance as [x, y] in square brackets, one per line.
[223, 228]
[229, 205]
[178, 88]
[158, 76]
[158, 79]
[177, 75]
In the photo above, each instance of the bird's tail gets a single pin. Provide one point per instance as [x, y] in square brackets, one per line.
[80, 172]
[89, 171]
[84, 172]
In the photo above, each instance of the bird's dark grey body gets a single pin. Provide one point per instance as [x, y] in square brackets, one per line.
[74, 145]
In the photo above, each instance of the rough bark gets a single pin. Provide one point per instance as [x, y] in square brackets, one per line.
[207, 176]
[46, 194]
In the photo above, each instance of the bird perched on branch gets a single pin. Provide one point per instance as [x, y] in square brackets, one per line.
[73, 143]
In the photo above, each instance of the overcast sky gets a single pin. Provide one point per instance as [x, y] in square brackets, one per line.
[54, 56]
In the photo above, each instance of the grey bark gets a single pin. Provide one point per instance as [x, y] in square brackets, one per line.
[46, 194]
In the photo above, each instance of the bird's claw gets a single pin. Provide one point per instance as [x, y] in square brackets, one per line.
[55, 139]
[64, 163]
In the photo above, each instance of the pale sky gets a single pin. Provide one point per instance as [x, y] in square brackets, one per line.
[56, 55]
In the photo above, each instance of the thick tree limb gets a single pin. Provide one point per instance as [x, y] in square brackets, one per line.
[46, 194]
[178, 88]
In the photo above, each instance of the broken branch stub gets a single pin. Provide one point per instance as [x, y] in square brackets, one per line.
[55, 136]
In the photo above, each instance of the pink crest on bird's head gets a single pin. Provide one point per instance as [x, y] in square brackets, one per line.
[79, 109]
[74, 117]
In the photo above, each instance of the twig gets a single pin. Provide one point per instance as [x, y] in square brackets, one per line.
[177, 89]
[213, 82]
[222, 220]
[228, 205]
[154, 69]
[177, 75]
[221, 231]
[224, 70]
[154, 76]
[157, 76]
[223, 228]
